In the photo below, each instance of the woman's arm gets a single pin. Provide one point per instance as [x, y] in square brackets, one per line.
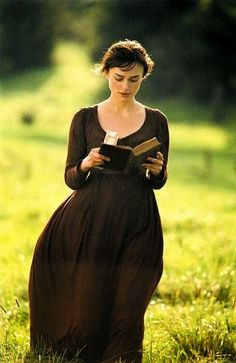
[157, 167]
[79, 162]
[77, 151]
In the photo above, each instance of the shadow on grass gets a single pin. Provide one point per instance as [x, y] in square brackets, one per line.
[215, 169]
[33, 80]
[46, 139]
[35, 136]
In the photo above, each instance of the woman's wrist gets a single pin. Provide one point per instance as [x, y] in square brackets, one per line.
[82, 166]
[159, 174]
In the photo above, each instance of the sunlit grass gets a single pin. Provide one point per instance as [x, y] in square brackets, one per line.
[191, 317]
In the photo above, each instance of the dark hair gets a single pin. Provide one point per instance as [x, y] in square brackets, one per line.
[125, 54]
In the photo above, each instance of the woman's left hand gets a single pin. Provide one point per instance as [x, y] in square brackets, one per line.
[155, 164]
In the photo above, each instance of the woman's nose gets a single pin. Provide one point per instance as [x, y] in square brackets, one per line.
[125, 85]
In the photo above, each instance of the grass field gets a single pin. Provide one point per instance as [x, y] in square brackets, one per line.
[191, 317]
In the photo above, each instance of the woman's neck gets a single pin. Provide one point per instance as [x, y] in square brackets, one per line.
[121, 107]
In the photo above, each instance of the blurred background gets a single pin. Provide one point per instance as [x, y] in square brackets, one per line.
[48, 49]
[191, 41]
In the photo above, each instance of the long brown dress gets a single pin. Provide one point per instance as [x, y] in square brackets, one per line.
[99, 259]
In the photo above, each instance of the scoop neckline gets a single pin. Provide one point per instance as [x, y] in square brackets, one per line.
[127, 136]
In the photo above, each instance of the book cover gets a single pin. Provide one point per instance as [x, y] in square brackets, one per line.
[122, 157]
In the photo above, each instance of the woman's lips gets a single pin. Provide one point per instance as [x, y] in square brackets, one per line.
[124, 94]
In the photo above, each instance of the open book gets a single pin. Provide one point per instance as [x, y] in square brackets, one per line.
[123, 157]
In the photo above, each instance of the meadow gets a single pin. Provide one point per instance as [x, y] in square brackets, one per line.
[191, 317]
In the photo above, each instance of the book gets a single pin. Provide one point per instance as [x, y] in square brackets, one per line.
[124, 157]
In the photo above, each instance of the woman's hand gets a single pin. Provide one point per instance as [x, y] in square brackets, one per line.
[93, 159]
[155, 164]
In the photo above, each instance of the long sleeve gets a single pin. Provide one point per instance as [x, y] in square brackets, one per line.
[157, 182]
[77, 151]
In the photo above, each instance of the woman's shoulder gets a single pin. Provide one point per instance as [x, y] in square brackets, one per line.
[84, 115]
[83, 119]
[159, 122]
[83, 111]
[156, 114]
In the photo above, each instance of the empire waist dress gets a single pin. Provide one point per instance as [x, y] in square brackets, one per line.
[99, 258]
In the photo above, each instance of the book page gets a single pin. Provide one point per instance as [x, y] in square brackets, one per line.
[146, 145]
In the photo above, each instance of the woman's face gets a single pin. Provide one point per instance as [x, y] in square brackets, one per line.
[124, 84]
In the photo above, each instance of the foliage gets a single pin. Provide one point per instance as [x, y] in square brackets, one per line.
[27, 34]
[190, 41]
[191, 316]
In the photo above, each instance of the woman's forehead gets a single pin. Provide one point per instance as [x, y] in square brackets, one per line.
[132, 71]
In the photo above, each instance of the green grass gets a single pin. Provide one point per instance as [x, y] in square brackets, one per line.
[191, 317]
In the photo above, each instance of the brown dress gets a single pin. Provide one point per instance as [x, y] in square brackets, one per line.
[99, 259]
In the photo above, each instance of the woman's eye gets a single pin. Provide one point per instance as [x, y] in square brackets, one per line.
[121, 79]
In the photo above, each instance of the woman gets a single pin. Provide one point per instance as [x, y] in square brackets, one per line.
[99, 259]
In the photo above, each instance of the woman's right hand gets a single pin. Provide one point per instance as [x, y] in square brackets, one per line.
[93, 159]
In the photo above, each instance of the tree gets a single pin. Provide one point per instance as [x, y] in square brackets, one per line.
[27, 34]
[191, 42]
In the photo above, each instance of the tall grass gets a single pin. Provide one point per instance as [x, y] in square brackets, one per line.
[191, 316]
